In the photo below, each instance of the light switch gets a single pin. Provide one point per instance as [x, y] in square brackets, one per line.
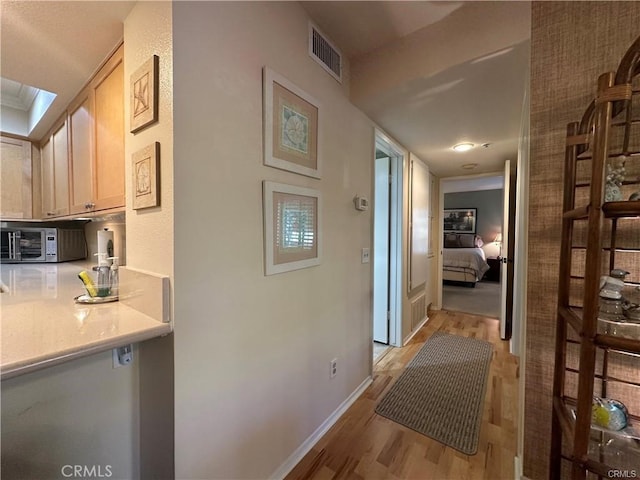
[365, 255]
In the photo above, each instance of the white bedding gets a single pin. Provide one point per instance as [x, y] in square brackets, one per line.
[464, 259]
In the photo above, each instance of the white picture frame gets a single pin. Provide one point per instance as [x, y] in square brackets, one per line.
[292, 227]
[292, 126]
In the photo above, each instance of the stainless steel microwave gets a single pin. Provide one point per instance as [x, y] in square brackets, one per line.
[41, 244]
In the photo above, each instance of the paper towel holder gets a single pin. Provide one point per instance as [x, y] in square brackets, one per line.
[105, 242]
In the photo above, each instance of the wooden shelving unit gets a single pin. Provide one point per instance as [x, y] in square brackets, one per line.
[597, 236]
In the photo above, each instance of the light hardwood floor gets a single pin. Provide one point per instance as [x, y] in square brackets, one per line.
[364, 445]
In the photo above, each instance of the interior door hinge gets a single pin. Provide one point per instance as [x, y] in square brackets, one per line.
[390, 179]
[388, 315]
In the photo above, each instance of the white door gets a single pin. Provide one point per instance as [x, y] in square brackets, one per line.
[381, 251]
[505, 320]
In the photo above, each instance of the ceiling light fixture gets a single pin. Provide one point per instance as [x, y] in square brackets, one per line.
[469, 166]
[463, 147]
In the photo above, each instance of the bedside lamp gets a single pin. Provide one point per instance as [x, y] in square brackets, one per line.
[498, 240]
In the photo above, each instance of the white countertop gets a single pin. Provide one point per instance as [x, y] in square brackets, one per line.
[42, 325]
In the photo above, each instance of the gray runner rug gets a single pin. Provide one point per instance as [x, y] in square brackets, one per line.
[441, 392]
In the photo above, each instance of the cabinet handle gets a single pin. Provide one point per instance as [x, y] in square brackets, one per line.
[12, 246]
[89, 205]
[51, 214]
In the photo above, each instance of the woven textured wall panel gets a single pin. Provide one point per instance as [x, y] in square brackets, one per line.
[572, 43]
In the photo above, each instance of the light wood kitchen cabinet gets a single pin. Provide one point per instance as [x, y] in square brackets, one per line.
[96, 136]
[55, 173]
[15, 178]
[80, 146]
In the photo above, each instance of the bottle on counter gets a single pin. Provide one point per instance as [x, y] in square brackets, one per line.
[114, 279]
[102, 282]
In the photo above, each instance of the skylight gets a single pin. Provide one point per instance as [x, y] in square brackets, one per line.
[22, 106]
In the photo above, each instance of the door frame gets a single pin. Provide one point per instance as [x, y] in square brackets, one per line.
[507, 261]
[397, 158]
[440, 231]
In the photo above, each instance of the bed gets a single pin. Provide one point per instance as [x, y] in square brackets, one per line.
[464, 262]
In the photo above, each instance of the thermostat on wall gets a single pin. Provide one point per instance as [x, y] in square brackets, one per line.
[361, 203]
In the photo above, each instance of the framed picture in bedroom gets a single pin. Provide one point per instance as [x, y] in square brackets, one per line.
[292, 227]
[460, 220]
[291, 126]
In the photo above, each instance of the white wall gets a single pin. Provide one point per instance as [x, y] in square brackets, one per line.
[252, 353]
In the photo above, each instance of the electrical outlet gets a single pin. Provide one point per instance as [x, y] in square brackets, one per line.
[122, 356]
[365, 255]
[334, 367]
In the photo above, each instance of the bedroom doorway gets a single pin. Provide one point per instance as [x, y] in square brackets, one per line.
[471, 260]
[387, 243]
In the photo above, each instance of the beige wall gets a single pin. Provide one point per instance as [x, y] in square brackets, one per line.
[572, 44]
[252, 353]
[147, 31]
[79, 413]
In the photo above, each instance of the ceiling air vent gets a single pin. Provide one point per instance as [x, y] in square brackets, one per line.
[323, 52]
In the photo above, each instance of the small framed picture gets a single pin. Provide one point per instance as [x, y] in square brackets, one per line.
[292, 227]
[291, 126]
[144, 95]
[145, 169]
[459, 220]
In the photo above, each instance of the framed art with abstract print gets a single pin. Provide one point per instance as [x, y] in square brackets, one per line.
[460, 220]
[146, 179]
[292, 227]
[144, 95]
[291, 126]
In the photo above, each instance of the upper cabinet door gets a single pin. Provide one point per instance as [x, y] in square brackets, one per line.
[15, 180]
[80, 149]
[60, 143]
[48, 202]
[109, 183]
[55, 171]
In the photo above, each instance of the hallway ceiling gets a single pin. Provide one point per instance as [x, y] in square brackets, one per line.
[473, 93]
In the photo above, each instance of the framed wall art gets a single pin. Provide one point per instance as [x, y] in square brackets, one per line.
[460, 220]
[292, 227]
[291, 126]
[144, 95]
[145, 185]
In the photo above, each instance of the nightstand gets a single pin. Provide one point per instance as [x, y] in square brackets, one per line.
[493, 274]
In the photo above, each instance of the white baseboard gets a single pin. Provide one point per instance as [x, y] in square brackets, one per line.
[308, 444]
[410, 336]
